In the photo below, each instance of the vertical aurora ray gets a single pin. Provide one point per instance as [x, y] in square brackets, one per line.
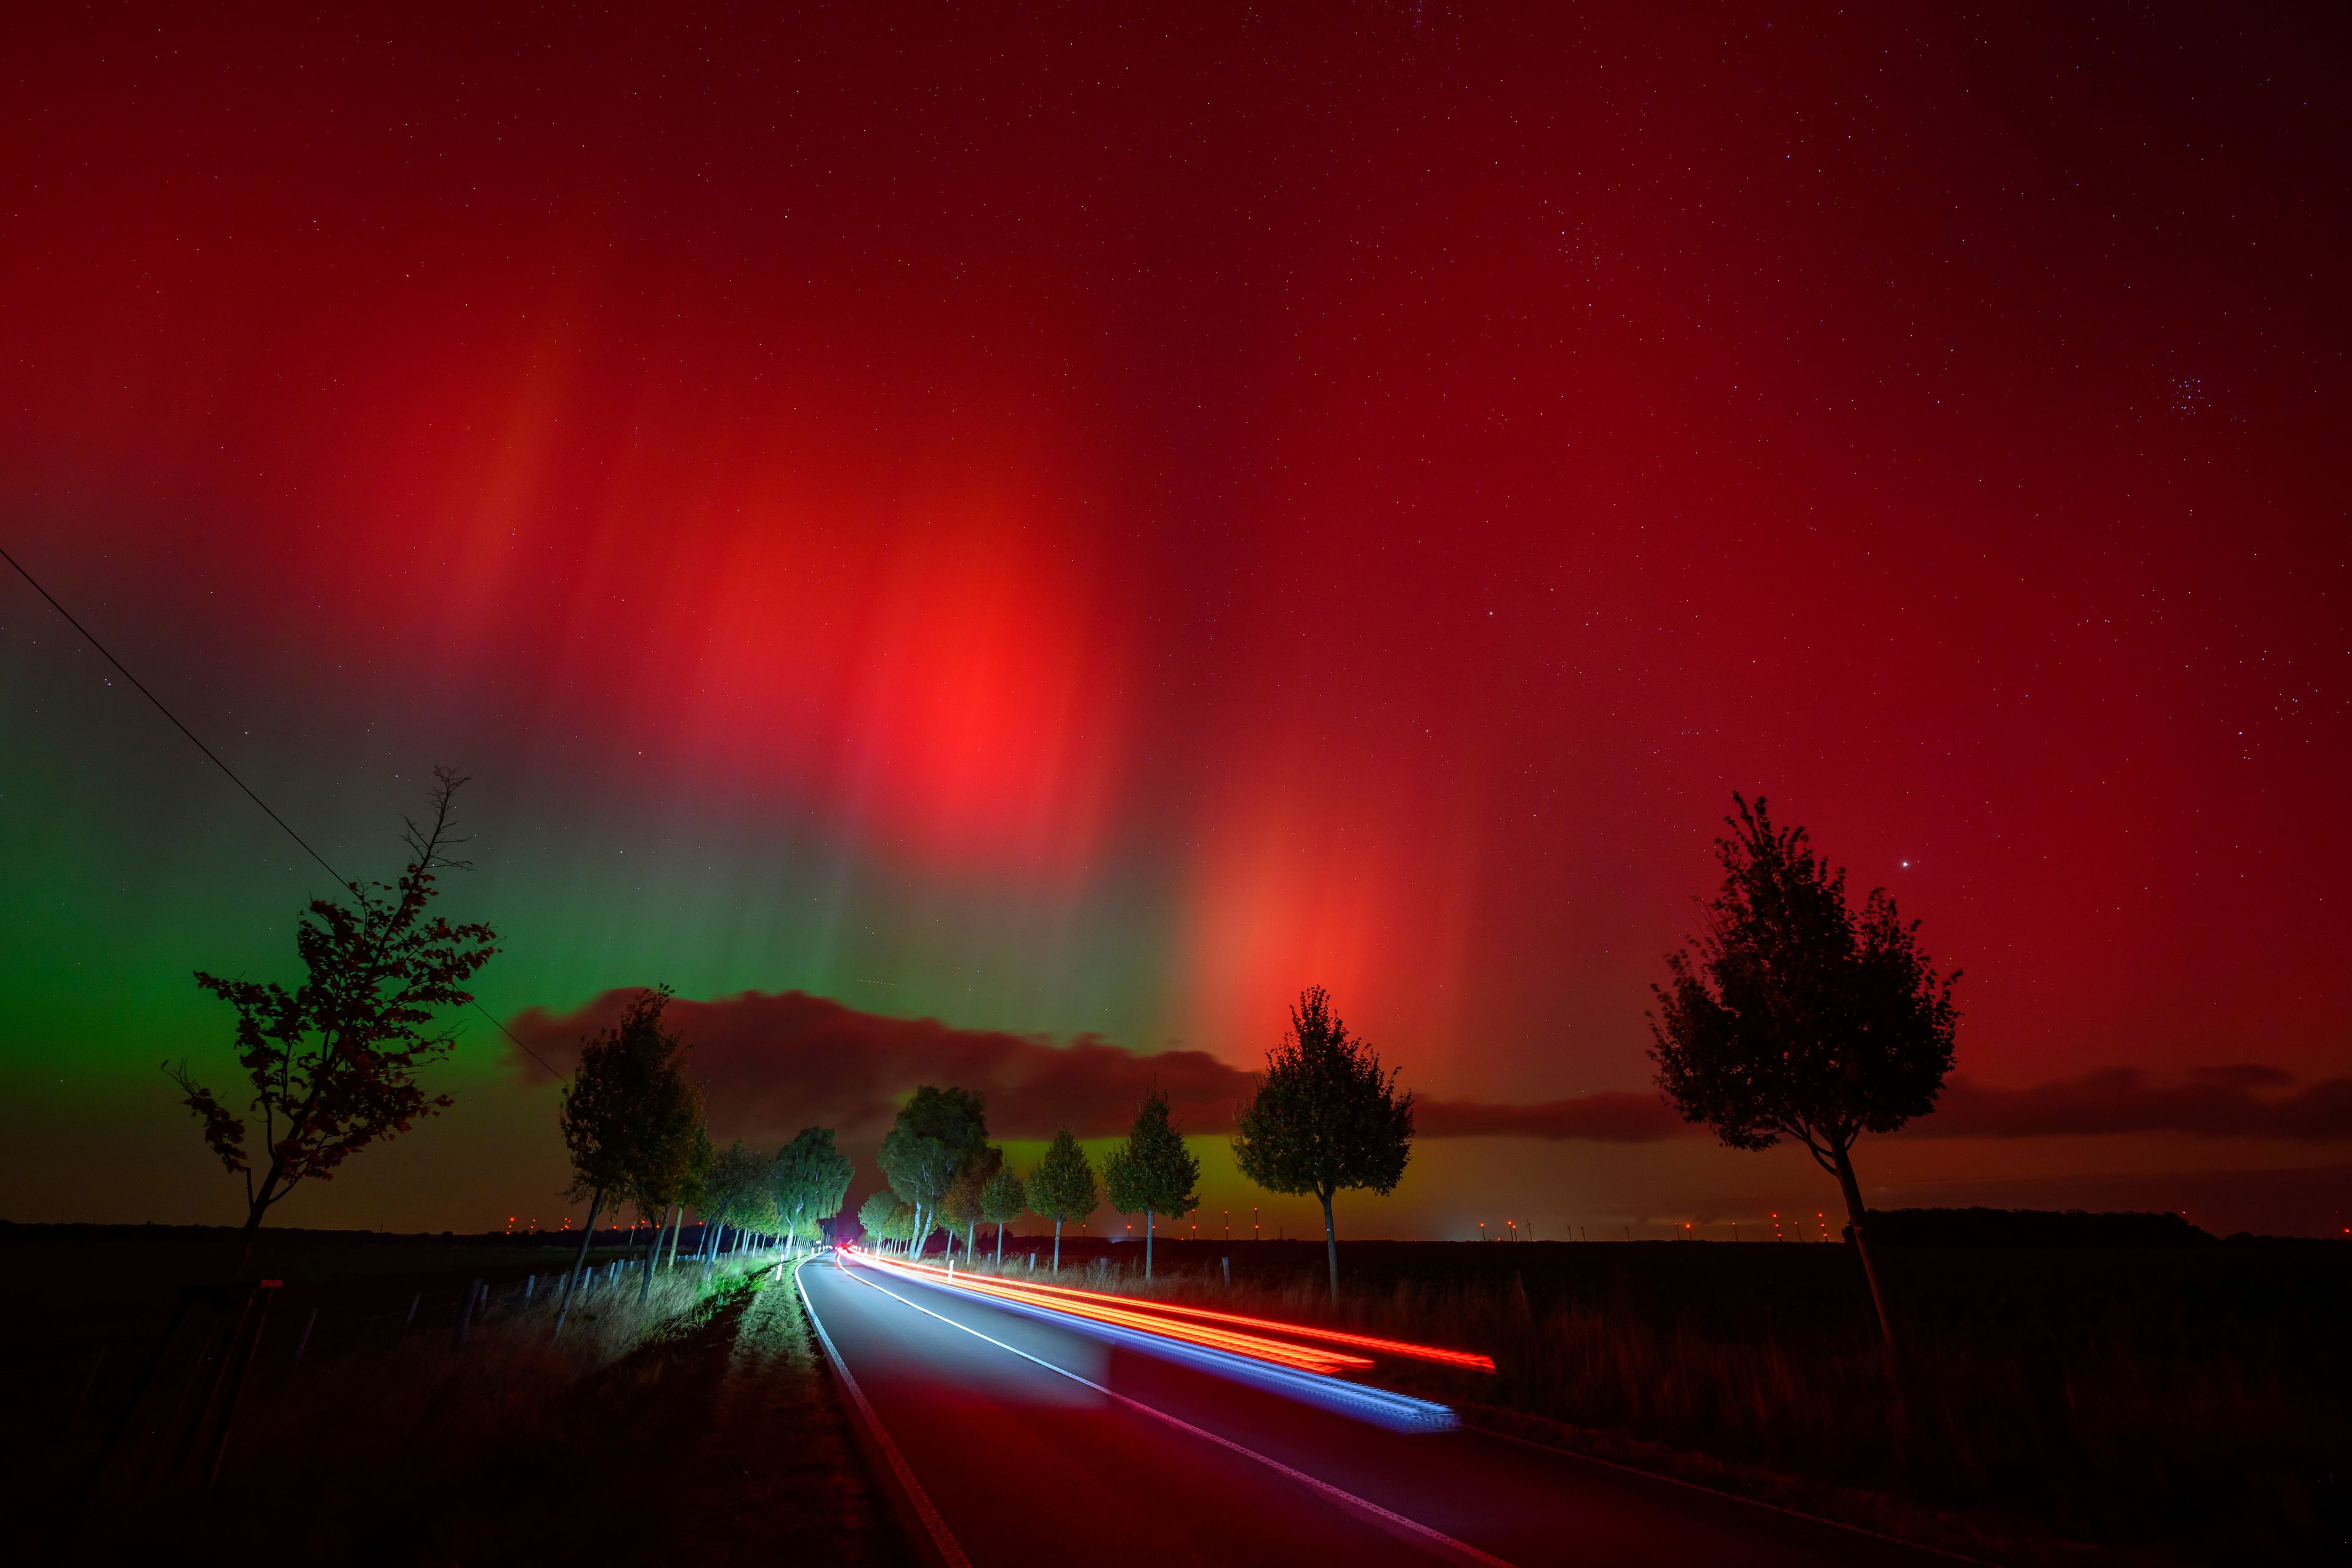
[1097, 549]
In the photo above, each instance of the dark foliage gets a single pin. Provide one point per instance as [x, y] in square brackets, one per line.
[1323, 1116]
[1794, 1014]
[335, 1062]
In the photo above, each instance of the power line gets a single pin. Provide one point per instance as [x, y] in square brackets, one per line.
[341, 880]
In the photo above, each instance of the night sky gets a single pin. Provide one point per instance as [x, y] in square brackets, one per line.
[1073, 524]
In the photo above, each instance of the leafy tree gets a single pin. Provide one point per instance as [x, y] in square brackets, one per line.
[733, 1190]
[630, 1119]
[1792, 1013]
[1152, 1173]
[695, 1192]
[936, 1132]
[335, 1062]
[962, 1204]
[1004, 1198]
[669, 1121]
[810, 1179]
[886, 1216]
[1323, 1116]
[1062, 1187]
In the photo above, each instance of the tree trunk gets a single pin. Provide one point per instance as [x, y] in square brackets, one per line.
[653, 1260]
[676, 1215]
[1146, 1244]
[1853, 1211]
[1331, 1244]
[573, 1278]
[255, 1210]
[1057, 1246]
[1000, 1243]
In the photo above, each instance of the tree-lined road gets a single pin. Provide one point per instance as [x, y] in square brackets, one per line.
[1032, 1442]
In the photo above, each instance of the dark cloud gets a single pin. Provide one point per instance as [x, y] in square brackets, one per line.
[777, 1062]
[2219, 1102]
[2244, 1075]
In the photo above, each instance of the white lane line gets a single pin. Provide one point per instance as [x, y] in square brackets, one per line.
[942, 1537]
[1408, 1529]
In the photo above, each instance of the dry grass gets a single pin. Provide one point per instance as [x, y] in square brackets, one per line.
[675, 1421]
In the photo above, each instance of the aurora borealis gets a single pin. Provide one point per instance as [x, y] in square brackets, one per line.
[1081, 525]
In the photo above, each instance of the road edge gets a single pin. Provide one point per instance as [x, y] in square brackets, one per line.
[927, 1534]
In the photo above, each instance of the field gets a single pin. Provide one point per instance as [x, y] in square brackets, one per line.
[2160, 1403]
[698, 1426]
[2183, 1403]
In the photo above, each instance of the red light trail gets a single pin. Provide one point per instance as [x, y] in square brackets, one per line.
[1153, 1317]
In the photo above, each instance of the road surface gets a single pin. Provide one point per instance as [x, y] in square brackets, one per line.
[1024, 1440]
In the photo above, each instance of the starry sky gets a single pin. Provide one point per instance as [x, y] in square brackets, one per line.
[950, 533]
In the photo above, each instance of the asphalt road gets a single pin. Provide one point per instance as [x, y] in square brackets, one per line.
[1028, 1441]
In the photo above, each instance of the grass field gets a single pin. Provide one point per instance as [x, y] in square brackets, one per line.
[696, 1424]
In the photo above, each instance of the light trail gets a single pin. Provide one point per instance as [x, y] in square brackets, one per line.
[1464, 1359]
[1101, 1310]
[1070, 1298]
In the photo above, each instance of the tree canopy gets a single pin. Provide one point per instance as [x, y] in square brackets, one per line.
[736, 1191]
[935, 1132]
[1062, 1186]
[335, 1062]
[1151, 1173]
[1004, 1200]
[1794, 1014]
[962, 1204]
[630, 1117]
[809, 1179]
[885, 1216]
[1323, 1116]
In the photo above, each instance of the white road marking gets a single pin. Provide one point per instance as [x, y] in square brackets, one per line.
[1408, 1529]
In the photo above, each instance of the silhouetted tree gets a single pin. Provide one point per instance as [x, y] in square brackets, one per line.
[936, 1132]
[1003, 1199]
[630, 1120]
[1062, 1187]
[1792, 1013]
[1323, 1116]
[334, 1061]
[1152, 1173]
